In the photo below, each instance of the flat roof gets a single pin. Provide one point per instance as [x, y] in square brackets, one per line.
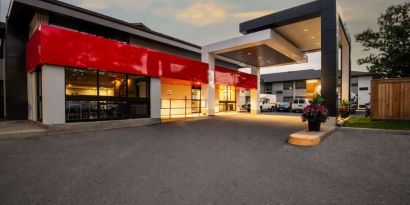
[281, 18]
[138, 29]
[302, 75]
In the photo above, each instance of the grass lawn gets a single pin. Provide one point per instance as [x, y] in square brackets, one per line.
[378, 124]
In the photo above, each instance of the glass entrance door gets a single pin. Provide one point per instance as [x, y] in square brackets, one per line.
[227, 98]
[196, 100]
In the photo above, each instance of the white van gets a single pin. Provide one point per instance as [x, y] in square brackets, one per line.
[299, 104]
[267, 102]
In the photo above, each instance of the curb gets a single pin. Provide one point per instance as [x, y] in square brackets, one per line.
[22, 134]
[383, 131]
[305, 138]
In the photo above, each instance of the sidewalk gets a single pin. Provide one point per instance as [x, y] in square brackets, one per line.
[20, 129]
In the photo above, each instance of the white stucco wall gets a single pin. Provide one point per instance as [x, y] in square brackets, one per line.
[300, 93]
[275, 88]
[53, 89]
[364, 95]
[155, 97]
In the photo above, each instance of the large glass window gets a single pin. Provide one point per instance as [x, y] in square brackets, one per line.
[227, 93]
[98, 95]
[227, 98]
[137, 86]
[112, 84]
[80, 82]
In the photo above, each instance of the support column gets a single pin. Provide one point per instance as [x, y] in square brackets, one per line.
[346, 69]
[210, 59]
[53, 97]
[255, 93]
[330, 53]
[32, 96]
[155, 98]
[238, 99]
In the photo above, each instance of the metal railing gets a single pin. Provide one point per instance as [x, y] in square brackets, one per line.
[182, 108]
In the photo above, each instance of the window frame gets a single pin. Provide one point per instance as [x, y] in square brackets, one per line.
[288, 87]
[128, 100]
[300, 87]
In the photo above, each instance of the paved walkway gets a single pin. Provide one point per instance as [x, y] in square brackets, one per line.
[19, 129]
[240, 159]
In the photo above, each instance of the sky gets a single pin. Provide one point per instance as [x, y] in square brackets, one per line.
[207, 21]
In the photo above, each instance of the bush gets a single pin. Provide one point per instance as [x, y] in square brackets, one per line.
[315, 112]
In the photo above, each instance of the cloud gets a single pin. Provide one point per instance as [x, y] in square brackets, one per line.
[202, 14]
[94, 5]
[252, 14]
[125, 5]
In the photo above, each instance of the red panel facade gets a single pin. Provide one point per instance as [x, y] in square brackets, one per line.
[33, 52]
[63, 47]
[104, 54]
[58, 46]
[136, 61]
[246, 81]
[224, 76]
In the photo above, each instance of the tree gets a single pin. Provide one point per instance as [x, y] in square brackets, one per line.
[389, 47]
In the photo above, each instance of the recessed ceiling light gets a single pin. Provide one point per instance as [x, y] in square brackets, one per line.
[249, 53]
[312, 37]
[306, 30]
[268, 61]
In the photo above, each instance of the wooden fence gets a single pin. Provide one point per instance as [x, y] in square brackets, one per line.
[390, 99]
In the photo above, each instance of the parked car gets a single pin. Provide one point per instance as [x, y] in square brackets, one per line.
[267, 102]
[299, 104]
[283, 106]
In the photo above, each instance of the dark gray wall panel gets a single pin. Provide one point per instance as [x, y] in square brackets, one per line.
[330, 53]
[16, 76]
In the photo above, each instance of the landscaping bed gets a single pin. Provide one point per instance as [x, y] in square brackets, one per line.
[363, 122]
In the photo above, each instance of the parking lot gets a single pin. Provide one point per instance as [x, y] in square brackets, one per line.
[232, 159]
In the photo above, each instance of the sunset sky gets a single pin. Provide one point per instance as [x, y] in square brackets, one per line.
[203, 22]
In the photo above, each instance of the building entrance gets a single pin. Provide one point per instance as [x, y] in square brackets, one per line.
[227, 98]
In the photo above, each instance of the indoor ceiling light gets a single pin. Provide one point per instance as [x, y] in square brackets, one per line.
[312, 37]
[306, 30]
[249, 53]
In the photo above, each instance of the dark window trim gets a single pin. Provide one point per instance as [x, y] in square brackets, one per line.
[287, 87]
[300, 87]
[364, 88]
[128, 100]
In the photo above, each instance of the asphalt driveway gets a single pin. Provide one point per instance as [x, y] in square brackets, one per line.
[240, 159]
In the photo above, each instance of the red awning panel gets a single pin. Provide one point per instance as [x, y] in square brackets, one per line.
[63, 47]
[59, 46]
[225, 76]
